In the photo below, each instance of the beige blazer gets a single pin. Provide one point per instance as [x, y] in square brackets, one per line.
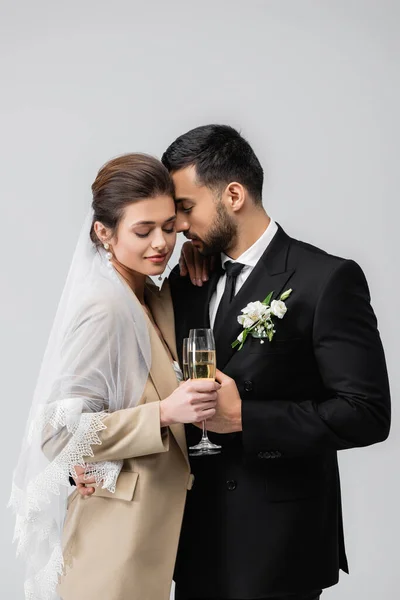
[122, 546]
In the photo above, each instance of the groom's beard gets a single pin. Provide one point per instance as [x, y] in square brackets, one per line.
[221, 236]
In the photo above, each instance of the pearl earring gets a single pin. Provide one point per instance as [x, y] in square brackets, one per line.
[107, 247]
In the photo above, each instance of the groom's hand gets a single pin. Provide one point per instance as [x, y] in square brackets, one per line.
[83, 483]
[228, 416]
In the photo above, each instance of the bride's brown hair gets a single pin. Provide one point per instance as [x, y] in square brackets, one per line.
[124, 180]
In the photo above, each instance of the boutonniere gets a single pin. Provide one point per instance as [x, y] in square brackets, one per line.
[257, 318]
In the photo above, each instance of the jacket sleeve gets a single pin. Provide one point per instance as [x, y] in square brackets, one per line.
[128, 433]
[351, 362]
[90, 365]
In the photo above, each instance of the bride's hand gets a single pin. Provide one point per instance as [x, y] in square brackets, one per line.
[193, 401]
[195, 264]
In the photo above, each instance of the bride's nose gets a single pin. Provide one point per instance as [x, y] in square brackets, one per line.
[159, 242]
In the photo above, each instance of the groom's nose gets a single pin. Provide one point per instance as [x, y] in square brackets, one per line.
[181, 223]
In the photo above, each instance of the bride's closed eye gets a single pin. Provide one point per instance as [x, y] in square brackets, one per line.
[144, 235]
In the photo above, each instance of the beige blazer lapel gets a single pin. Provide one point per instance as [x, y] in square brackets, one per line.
[162, 371]
[160, 303]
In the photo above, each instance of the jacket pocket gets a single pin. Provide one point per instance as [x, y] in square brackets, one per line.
[289, 346]
[125, 488]
[294, 479]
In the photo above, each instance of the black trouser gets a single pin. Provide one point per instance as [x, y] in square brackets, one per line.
[315, 595]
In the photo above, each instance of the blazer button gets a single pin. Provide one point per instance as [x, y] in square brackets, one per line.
[231, 485]
[248, 386]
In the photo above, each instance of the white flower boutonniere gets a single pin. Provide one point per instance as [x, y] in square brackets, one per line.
[257, 318]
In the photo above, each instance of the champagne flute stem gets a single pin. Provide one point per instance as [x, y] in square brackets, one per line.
[204, 436]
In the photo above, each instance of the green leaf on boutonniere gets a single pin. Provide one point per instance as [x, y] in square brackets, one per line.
[268, 299]
[270, 334]
[241, 341]
[286, 294]
[245, 334]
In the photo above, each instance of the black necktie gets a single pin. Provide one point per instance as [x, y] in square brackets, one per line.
[232, 272]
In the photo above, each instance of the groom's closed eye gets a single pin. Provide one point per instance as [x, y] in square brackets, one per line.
[185, 208]
[184, 205]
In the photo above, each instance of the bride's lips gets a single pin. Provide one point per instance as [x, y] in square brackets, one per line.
[158, 259]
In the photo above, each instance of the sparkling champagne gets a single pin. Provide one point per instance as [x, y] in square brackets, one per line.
[204, 365]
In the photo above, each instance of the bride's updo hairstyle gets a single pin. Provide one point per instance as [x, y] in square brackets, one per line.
[124, 180]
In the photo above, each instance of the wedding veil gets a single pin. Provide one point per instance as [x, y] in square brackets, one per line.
[98, 352]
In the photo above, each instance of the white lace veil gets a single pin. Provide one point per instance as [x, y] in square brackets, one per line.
[97, 360]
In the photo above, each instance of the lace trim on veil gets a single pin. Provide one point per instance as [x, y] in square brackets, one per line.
[33, 525]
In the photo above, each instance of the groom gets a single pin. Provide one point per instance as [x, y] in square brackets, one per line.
[264, 518]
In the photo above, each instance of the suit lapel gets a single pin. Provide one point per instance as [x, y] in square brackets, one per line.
[270, 274]
[209, 291]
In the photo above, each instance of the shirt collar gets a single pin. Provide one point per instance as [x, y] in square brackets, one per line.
[252, 255]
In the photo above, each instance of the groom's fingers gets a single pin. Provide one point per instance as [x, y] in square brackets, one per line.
[83, 479]
[83, 490]
[220, 377]
[83, 483]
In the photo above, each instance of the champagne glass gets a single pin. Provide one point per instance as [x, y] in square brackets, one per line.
[202, 364]
[185, 359]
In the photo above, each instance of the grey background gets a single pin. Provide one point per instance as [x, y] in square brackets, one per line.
[314, 85]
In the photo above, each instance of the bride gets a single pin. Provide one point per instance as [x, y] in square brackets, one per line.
[107, 402]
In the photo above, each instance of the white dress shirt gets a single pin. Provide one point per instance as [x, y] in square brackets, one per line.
[249, 258]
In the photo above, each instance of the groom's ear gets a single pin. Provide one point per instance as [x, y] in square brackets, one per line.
[235, 196]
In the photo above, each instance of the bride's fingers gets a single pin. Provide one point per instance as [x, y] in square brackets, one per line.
[182, 266]
[206, 269]
[199, 262]
[188, 257]
[204, 266]
[205, 415]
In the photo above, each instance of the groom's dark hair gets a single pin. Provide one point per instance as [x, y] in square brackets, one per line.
[220, 155]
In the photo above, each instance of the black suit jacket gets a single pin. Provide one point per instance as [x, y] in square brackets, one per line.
[264, 517]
